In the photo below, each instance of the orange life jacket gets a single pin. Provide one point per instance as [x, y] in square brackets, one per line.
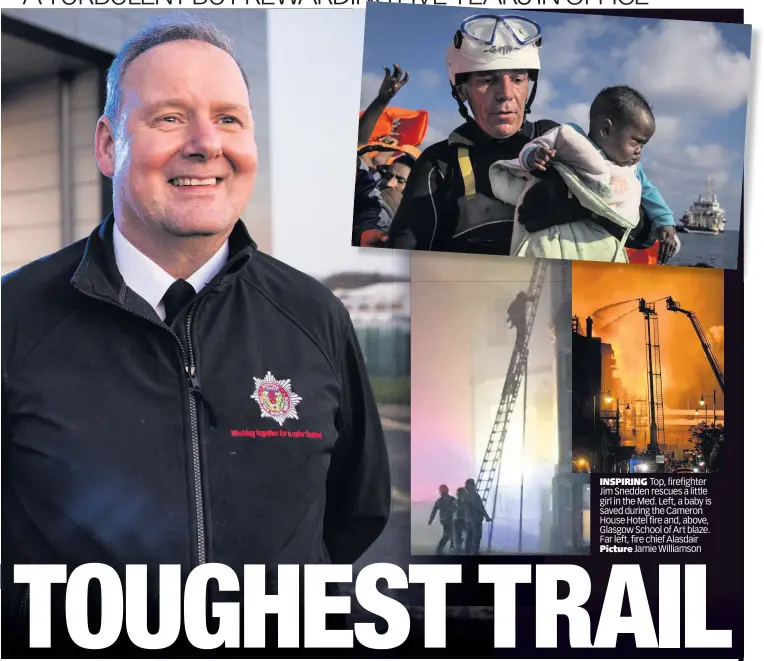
[409, 125]
[646, 256]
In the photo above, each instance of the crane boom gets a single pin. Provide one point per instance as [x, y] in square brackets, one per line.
[675, 306]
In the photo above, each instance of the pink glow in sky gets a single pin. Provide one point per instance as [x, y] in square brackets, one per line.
[441, 419]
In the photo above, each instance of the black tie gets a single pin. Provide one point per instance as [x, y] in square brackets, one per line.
[176, 298]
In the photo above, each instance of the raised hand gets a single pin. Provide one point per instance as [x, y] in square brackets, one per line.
[393, 82]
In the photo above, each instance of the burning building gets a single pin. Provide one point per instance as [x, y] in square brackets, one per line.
[686, 363]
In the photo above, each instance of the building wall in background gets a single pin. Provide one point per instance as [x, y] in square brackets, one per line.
[30, 184]
[31, 193]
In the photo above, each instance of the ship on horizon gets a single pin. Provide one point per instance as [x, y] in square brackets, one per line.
[705, 216]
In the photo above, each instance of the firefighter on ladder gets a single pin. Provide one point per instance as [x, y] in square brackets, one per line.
[517, 314]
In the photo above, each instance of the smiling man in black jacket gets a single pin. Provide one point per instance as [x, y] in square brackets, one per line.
[171, 395]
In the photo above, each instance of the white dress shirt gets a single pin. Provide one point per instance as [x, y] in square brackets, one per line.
[149, 280]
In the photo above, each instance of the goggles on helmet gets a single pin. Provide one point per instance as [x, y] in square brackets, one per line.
[484, 28]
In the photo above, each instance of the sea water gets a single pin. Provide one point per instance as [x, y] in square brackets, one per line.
[719, 251]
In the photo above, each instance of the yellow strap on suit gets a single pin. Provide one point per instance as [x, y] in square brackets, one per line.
[465, 165]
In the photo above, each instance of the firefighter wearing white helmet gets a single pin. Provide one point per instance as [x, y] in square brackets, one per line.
[493, 64]
[492, 44]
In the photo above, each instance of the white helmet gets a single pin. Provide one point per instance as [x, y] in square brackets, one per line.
[490, 42]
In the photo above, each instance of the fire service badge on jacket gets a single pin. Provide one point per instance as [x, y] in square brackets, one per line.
[276, 399]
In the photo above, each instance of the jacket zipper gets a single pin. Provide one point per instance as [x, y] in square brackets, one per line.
[194, 389]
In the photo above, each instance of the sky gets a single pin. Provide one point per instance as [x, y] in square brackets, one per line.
[695, 75]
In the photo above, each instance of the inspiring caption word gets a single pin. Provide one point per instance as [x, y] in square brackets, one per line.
[125, 604]
[653, 514]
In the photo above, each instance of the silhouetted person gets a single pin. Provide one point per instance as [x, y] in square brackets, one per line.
[460, 519]
[445, 505]
[517, 314]
[474, 520]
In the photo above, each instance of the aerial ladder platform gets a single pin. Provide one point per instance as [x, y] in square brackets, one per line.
[675, 306]
[517, 373]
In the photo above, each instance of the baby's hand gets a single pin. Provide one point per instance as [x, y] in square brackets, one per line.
[540, 157]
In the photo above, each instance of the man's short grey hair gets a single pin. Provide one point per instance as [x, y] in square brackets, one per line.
[171, 28]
